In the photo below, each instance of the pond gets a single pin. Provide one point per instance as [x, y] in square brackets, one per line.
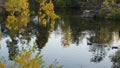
[73, 42]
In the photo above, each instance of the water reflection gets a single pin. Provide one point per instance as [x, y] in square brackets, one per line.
[99, 52]
[101, 31]
[115, 59]
[97, 38]
[12, 49]
[43, 36]
[102, 35]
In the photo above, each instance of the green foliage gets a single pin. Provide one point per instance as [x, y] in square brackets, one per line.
[113, 13]
[60, 3]
[33, 6]
[117, 1]
[109, 10]
[66, 3]
[100, 14]
[105, 3]
[115, 59]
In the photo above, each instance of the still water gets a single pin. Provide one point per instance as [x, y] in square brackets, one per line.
[73, 42]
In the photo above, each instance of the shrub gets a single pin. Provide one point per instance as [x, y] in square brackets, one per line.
[113, 14]
[100, 14]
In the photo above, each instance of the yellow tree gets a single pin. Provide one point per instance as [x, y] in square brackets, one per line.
[18, 14]
[47, 12]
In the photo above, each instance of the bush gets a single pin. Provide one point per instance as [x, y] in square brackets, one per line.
[113, 14]
[100, 14]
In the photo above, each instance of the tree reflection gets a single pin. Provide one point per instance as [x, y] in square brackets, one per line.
[68, 34]
[115, 59]
[18, 17]
[29, 58]
[66, 39]
[20, 29]
[101, 42]
[12, 48]
[103, 30]
[1, 33]
[42, 37]
[102, 35]
[99, 52]
[73, 29]
[99, 34]
[46, 19]
[24, 37]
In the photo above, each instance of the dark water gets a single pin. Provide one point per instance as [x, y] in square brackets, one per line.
[74, 42]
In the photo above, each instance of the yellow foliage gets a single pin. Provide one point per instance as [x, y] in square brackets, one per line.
[67, 36]
[47, 12]
[21, 7]
[25, 59]
[23, 4]
[44, 22]
[10, 20]
[1, 36]
[16, 5]
[12, 6]
[3, 65]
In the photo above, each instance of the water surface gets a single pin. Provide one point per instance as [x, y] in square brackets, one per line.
[74, 42]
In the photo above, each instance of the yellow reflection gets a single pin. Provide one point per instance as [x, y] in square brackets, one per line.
[1, 36]
[2, 64]
[67, 36]
[25, 61]
[105, 35]
[29, 58]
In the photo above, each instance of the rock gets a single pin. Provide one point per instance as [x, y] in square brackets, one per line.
[89, 43]
[2, 10]
[114, 47]
[2, 2]
[88, 14]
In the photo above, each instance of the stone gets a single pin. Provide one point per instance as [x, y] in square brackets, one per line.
[88, 14]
